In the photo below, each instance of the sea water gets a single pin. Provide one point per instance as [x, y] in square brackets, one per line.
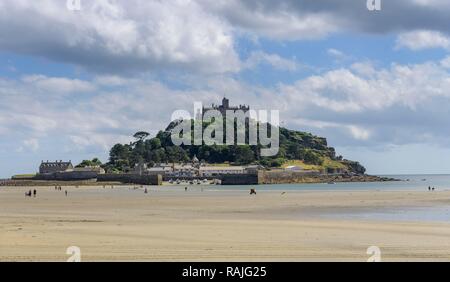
[406, 183]
[440, 213]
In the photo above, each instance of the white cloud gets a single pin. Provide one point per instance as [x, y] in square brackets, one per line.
[336, 53]
[258, 57]
[275, 20]
[198, 35]
[365, 69]
[343, 90]
[446, 62]
[111, 80]
[432, 3]
[59, 84]
[359, 133]
[291, 20]
[120, 36]
[354, 131]
[31, 144]
[423, 39]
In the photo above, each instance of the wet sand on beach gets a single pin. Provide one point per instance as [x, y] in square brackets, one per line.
[170, 224]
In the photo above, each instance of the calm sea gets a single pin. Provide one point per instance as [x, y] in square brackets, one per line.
[408, 182]
[436, 213]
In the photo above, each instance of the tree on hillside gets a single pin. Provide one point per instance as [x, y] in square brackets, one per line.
[89, 163]
[244, 155]
[141, 135]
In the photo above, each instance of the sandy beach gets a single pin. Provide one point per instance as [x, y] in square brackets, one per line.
[170, 224]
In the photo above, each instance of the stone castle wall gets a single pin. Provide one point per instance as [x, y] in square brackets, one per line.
[67, 176]
[241, 179]
[278, 177]
[131, 178]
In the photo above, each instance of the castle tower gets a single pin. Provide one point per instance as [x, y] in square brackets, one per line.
[225, 103]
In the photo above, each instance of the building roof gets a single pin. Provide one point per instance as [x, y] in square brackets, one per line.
[55, 164]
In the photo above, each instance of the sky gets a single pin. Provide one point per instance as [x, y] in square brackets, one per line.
[376, 84]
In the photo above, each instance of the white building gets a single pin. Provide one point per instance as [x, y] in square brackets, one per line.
[183, 170]
[208, 171]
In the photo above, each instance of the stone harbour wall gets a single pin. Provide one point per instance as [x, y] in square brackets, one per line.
[131, 178]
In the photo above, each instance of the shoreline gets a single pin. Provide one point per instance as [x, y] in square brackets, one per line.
[304, 179]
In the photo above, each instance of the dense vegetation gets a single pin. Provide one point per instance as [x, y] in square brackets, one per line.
[294, 145]
[90, 163]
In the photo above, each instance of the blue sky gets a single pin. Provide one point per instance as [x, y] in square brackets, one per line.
[375, 84]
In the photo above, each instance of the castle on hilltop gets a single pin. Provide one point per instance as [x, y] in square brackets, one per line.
[226, 107]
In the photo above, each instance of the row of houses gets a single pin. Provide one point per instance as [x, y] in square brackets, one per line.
[193, 169]
[175, 170]
[187, 170]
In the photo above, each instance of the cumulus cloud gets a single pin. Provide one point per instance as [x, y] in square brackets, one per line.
[120, 36]
[304, 19]
[365, 105]
[423, 39]
[346, 90]
[97, 120]
[280, 20]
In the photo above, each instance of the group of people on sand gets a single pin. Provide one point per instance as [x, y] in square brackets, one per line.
[59, 188]
[31, 193]
[430, 188]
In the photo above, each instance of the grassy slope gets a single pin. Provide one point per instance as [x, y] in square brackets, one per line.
[327, 163]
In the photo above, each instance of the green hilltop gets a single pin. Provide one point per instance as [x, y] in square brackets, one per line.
[297, 148]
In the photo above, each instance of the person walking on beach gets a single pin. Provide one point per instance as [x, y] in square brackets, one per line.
[145, 191]
[34, 193]
[185, 188]
[429, 188]
[66, 193]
